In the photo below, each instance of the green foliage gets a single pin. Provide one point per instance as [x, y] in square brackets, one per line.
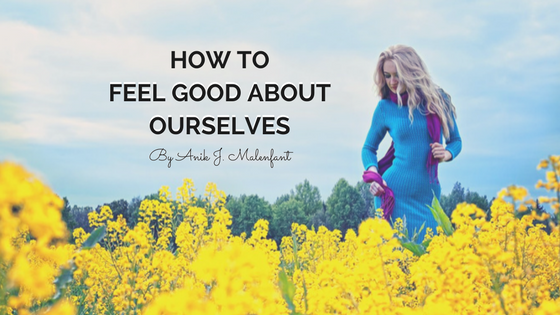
[441, 218]
[368, 198]
[67, 216]
[234, 206]
[458, 195]
[320, 218]
[66, 277]
[311, 210]
[412, 243]
[539, 210]
[246, 211]
[283, 198]
[95, 237]
[283, 215]
[118, 207]
[345, 207]
[455, 197]
[415, 248]
[309, 196]
[288, 290]
[287, 287]
[133, 211]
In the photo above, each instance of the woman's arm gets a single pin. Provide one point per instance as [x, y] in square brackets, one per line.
[454, 143]
[375, 134]
[453, 146]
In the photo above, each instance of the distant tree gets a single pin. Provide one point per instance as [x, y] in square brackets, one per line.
[67, 216]
[118, 207]
[234, 206]
[283, 215]
[345, 207]
[480, 201]
[282, 198]
[309, 196]
[310, 199]
[369, 206]
[539, 210]
[455, 197]
[246, 211]
[80, 215]
[320, 218]
[132, 211]
[458, 195]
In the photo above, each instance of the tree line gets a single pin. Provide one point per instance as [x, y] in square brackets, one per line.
[346, 207]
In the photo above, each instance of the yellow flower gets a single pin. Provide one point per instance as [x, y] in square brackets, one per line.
[32, 233]
[542, 164]
[60, 308]
[181, 258]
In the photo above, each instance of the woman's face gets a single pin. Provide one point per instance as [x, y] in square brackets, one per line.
[391, 77]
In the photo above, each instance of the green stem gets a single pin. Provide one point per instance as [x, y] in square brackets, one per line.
[557, 201]
[384, 274]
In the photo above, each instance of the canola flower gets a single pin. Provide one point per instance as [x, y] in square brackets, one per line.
[181, 258]
[32, 244]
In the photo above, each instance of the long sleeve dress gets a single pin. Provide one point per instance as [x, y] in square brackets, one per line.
[408, 175]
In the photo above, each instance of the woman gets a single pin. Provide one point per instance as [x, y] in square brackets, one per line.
[417, 114]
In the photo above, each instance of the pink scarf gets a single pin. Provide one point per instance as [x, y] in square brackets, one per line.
[388, 198]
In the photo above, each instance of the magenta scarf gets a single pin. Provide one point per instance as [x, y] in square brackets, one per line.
[388, 198]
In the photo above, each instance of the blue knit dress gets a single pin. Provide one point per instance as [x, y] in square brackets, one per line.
[408, 176]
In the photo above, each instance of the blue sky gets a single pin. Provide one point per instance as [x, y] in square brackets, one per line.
[499, 60]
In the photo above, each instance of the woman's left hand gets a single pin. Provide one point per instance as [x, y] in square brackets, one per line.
[439, 152]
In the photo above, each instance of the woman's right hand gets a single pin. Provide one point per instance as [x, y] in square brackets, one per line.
[376, 189]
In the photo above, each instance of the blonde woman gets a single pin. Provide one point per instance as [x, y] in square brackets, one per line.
[418, 115]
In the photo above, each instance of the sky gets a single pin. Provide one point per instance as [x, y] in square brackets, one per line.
[499, 61]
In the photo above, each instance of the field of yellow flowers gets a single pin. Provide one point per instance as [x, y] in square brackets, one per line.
[181, 258]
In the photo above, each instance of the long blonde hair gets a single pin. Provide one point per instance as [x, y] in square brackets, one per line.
[413, 76]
